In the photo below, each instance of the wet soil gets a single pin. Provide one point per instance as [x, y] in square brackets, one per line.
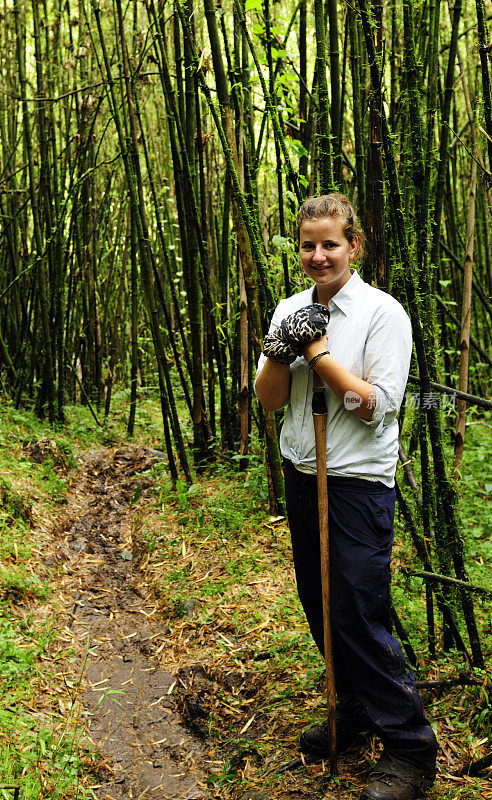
[144, 749]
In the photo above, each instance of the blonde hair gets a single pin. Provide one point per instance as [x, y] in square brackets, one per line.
[337, 206]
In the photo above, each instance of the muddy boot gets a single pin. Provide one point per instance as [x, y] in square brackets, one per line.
[397, 777]
[353, 727]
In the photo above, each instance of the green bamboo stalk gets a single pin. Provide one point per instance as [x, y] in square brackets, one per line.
[130, 160]
[245, 228]
[325, 180]
[459, 439]
[278, 162]
[418, 170]
[335, 104]
[44, 294]
[246, 239]
[444, 137]
[357, 113]
[167, 267]
[193, 212]
[445, 492]
[114, 331]
[303, 79]
[484, 48]
[421, 550]
[375, 220]
[272, 111]
[201, 436]
[134, 339]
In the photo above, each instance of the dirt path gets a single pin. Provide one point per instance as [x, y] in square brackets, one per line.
[127, 694]
[150, 694]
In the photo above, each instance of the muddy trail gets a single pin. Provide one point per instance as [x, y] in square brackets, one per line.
[212, 705]
[144, 750]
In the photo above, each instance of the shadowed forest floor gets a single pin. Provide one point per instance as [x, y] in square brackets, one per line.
[180, 665]
[188, 637]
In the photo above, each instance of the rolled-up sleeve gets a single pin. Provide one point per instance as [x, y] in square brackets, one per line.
[387, 354]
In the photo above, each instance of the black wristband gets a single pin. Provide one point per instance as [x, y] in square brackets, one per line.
[317, 357]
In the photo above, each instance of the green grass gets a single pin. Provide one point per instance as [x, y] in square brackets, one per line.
[40, 732]
[217, 545]
[39, 750]
[220, 551]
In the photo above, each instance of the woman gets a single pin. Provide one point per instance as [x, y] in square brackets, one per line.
[362, 354]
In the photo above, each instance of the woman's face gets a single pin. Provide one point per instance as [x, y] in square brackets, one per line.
[325, 252]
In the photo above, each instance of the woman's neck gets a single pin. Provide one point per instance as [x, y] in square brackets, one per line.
[323, 293]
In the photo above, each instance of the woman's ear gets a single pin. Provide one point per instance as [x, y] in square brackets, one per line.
[354, 247]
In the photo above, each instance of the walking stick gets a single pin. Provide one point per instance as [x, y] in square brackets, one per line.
[319, 420]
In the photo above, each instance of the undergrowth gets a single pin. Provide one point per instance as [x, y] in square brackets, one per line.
[226, 588]
[221, 569]
[42, 748]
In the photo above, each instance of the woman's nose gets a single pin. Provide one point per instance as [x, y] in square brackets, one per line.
[318, 253]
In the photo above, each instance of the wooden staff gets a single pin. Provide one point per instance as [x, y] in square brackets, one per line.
[319, 420]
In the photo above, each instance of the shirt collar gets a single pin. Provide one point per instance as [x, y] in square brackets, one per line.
[347, 294]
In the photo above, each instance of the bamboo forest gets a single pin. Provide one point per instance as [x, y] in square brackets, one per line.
[154, 155]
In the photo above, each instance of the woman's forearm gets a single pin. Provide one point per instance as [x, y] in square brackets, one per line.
[273, 385]
[356, 394]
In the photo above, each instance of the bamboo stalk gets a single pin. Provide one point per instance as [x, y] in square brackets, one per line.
[484, 65]
[324, 171]
[444, 133]
[134, 184]
[134, 327]
[465, 324]
[438, 387]
[435, 577]
[445, 492]
[47, 388]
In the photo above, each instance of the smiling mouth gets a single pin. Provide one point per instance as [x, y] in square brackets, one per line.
[321, 269]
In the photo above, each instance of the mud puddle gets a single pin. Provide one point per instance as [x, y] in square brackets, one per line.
[143, 750]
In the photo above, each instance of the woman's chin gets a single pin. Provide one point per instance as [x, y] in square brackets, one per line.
[326, 276]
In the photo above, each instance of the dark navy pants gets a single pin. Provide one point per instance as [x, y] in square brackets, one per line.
[368, 660]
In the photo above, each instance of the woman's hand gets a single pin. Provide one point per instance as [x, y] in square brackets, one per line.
[286, 342]
[313, 348]
[282, 346]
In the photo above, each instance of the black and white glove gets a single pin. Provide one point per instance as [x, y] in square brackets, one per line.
[295, 331]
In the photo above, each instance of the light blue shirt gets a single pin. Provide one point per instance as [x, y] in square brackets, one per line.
[369, 334]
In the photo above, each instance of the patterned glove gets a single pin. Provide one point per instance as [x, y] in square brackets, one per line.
[295, 331]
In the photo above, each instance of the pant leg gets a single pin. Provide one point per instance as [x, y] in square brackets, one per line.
[301, 494]
[369, 662]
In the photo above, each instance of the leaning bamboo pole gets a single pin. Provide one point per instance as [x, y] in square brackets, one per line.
[182, 162]
[357, 113]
